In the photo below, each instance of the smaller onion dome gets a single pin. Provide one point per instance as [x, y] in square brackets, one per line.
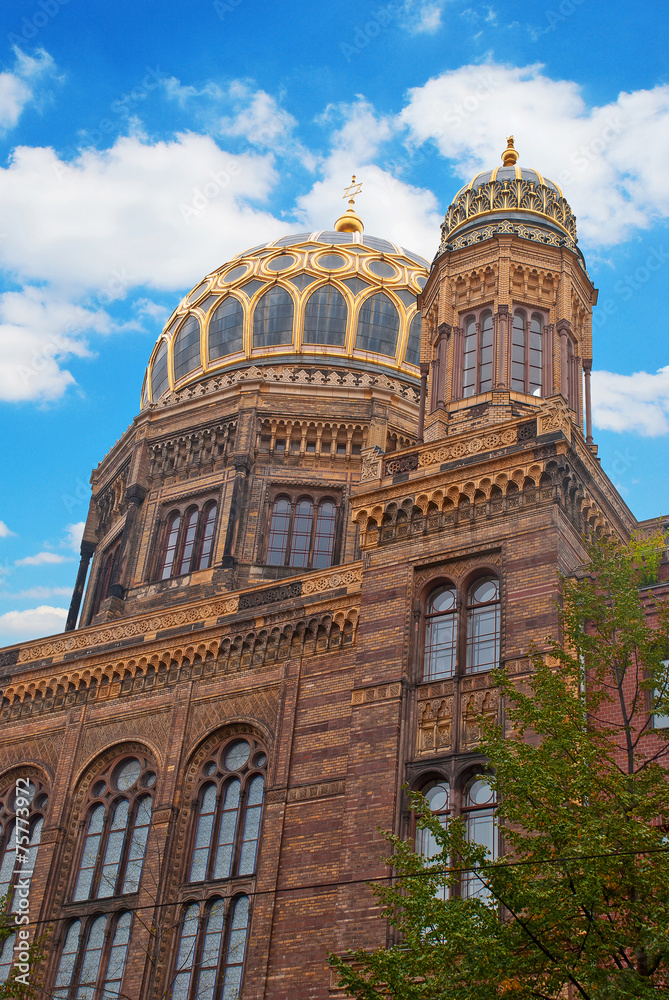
[509, 199]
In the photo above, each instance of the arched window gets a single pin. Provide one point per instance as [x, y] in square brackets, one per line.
[159, 378]
[378, 326]
[483, 621]
[212, 945]
[229, 812]
[188, 541]
[477, 363]
[273, 319]
[325, 317]
[187, 348]
[92, 958]
[301, 533]
[24, 801]
[527, 352]
[226, 329]
[116, 831]
[441, 634]
[412, 353]
[438, 795]
[108, 574]
[479, 811]
[6, 957]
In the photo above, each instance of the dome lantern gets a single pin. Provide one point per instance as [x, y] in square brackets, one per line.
[350, 221]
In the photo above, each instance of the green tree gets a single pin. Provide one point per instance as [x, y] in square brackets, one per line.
[578, 905]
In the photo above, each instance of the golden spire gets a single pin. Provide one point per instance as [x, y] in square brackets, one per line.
[510, 155]
[349, 222]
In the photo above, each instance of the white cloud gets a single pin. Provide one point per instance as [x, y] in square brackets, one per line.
[42, 559]
[610, 159]
[423, 16]
[32, 623]
[146, 307]
[74, 534]
[40, 593]
[637, 403]
[5, 531]
[258, 118]
[17, 86]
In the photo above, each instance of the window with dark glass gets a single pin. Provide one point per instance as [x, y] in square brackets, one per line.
[159, 377]
[477, 361]
[187, 348]
[483, 620]
[24, 800]
[479, 811]
[325, 317]
[116, 830]
[438, 795]
[462, 633]
[441, 634]
[187, 541]
[378, 326]
[108, 574]
[527, 352]
[209, 961]
[92, 958]
[412, 353]
[273, 319]
[301, 533]
[229, 813]
[226, 329]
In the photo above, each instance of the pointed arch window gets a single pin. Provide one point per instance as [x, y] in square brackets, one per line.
[527, 352]
[108, 574]
[226, 329]
[187, 348]
[378, 326]
[273, 319]
[325, 317]
[412, 353]
[212, 946]
[92, 958]
[159, 377]
[22, 802]
[477, 361]
[229, 813]
[116, 831]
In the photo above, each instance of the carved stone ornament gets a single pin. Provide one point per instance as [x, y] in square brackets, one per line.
[555, 415]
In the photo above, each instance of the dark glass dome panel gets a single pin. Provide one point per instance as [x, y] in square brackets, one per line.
[376, 244]
[236, 273]
[356, 284]
[281, 263]
[412, 355]
[226, 329]
[381, 269]
[273, 319]
[406, 295]
[251, 287]
[287, 241]
[302, 281]
[325, 317]
[159, 379]
[378, 326]
[187, 348]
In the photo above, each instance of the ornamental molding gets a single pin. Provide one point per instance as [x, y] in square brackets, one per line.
[322, 790]
[371, 695]
[457, 568]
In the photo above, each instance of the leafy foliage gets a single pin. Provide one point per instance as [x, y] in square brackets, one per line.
[578, 905]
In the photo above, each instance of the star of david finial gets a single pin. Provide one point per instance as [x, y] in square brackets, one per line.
[352, 190]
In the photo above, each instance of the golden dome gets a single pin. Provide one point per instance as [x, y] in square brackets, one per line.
[509, 199]
[337, 299]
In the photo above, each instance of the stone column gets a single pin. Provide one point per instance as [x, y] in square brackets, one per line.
[87, 550]
[563, 328]
[134, 496]
[500, 345]
[587, 368]
[424, 371]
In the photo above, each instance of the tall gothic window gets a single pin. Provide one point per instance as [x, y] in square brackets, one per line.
[483, 621]
[325, 317]
[22, 807]
[302, 533]
[462, 631]
[229, 813]
[479, 810]
[187, 348]
[187, 541]
[92, 958]
[378, 326]
[527, 352]
[116, 831]
[108, 574]
[477, 360]
[441, 633]
[212, 945]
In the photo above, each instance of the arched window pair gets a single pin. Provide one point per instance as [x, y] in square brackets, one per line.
[527, 353]
[92, 958]
[212, 938]
[476, 804]
[188, 541]
[445, 651]
[116, 831]
[301, 533]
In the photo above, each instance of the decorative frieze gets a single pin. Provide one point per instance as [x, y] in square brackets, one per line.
[370, 695]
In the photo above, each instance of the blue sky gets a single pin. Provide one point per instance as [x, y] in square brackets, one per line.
[143, 144]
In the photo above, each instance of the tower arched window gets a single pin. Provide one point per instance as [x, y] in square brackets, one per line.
[378, 326]
[441, 634]
[325, 317]
[483, 624]
[92, 958]
[477, 359]
[116, 830]
[210, 956]
[226, 329]
[527, 352]
[478, 808]
[229, 813]
[187, 348]
[108, 574]
[22, 808]
[302, 532]
[273, 319]
[187, 540]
